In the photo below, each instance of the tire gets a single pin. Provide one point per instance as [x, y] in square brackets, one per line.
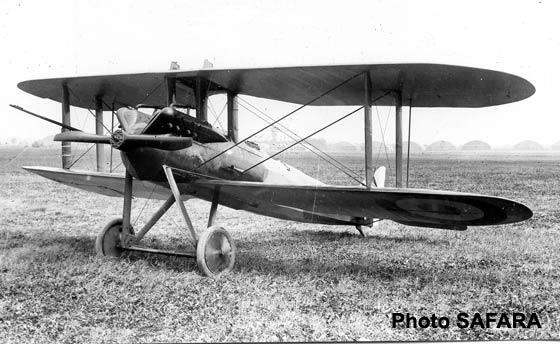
[108, 240]
[215, 252]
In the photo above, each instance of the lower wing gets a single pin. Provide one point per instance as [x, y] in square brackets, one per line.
[108, 184]
[416, 207]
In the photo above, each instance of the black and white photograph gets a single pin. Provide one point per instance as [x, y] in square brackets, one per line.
[279, 171]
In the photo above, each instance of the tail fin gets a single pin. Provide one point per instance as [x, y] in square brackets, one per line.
[379, 176]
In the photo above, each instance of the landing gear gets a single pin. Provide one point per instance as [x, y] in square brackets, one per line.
[214, 248]
[367, 222]
[215, 252]
[108, 240]
[361, 230]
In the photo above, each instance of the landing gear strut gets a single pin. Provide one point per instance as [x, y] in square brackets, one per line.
[214, 248]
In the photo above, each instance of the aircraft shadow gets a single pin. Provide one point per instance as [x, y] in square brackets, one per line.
[378, 237]
[251, 257]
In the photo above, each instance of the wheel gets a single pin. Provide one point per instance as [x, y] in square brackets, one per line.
[215, 252]
[108, 240]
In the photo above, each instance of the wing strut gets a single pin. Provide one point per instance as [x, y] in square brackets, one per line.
[398, 139]
[66, 146]
[408, 143]
[99, 148]
[368, 136]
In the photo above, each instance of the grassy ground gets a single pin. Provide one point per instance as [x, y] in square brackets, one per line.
[291, 281]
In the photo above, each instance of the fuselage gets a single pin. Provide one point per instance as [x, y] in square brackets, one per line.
[212, 155]
[145, 164]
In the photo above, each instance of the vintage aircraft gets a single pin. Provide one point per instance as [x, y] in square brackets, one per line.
[172, 156]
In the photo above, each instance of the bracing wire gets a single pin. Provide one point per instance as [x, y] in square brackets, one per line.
[119, 165]
[220, 115]
[145, 204]
[103, 124]
[75, 96]
[17, 156]
[87, 150]
[81, 156]
[216, 114]
[305, 138]
[113, 113]
[280, 119]
[326, 157]
[211, 107]
[383, 131]
[285, 130]
[152, 91]
[84, 122]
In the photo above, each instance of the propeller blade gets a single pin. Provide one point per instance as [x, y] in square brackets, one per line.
[123, 141]
[80, 136]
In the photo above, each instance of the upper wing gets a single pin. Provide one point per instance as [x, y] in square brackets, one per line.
[408, 206]
[426, 85]
[108, 184]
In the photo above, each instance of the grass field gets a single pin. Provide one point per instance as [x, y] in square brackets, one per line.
[291, 281]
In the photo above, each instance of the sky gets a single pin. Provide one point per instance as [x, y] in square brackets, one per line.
[45, 39]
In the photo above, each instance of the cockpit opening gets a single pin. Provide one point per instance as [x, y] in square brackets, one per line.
[168, 120]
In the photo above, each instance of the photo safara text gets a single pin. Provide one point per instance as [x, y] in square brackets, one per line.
[465, 320]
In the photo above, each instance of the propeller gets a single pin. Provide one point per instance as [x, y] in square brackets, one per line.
[119, 139]
[123, 141]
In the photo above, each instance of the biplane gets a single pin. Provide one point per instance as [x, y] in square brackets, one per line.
[172, 153]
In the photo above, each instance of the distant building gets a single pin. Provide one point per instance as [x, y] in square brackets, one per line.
[476, 145]
[377, 146]
[414, 147]
[556, 146]
[441, 146]
[343, 146]
[528, 145]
